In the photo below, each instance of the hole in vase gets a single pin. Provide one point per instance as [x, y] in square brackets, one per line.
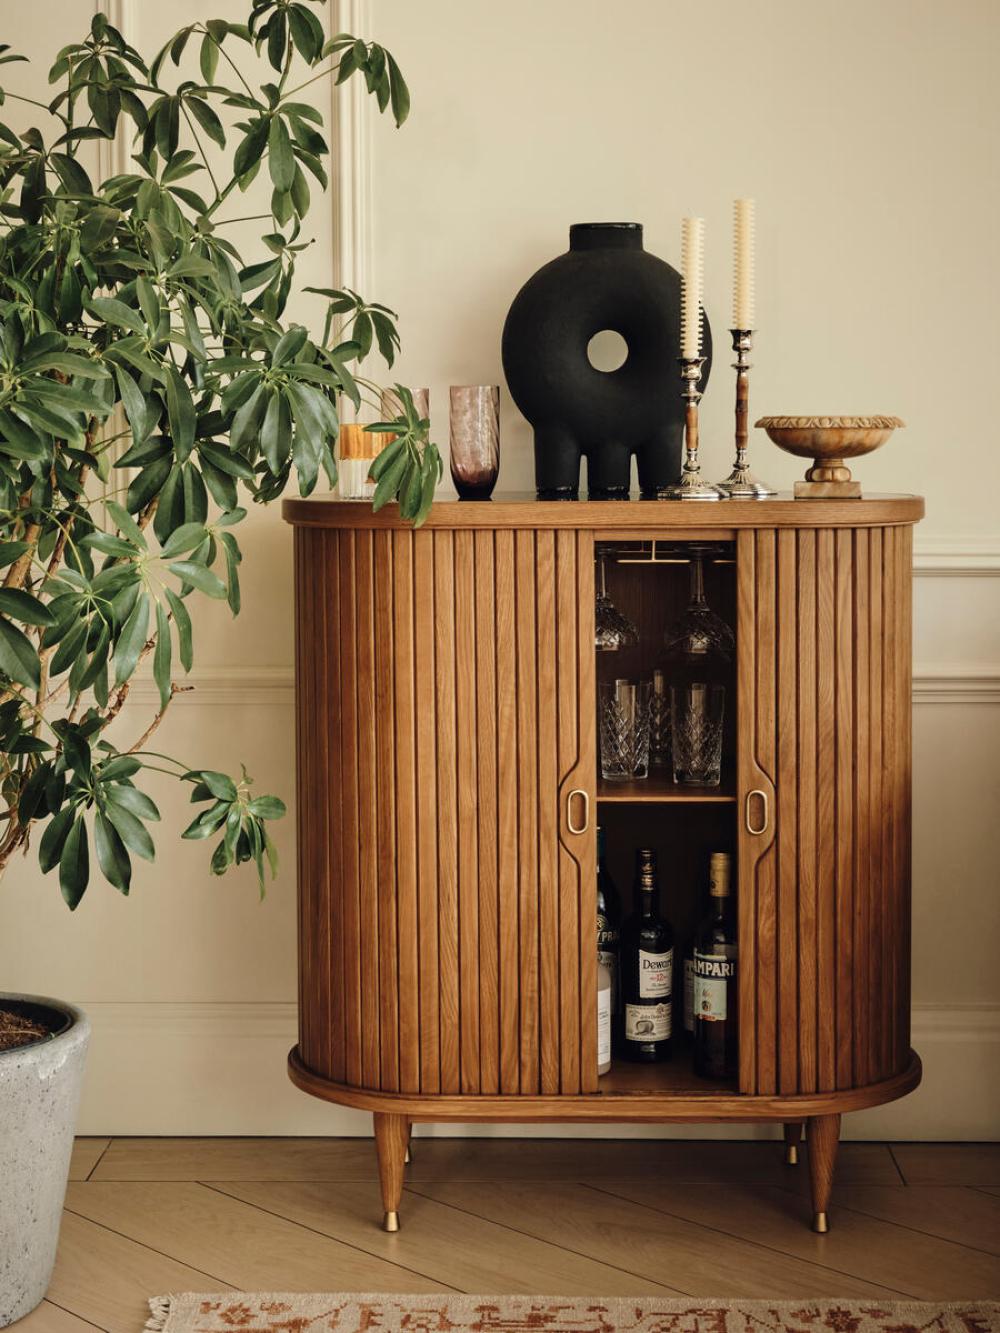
[607, 351]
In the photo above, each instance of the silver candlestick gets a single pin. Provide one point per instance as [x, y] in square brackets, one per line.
[741, 484]
[691, 485]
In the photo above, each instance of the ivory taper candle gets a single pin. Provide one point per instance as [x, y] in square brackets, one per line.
[692, 275]
[743, 264]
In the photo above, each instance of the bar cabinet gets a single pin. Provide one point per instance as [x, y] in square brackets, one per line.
[448, 796]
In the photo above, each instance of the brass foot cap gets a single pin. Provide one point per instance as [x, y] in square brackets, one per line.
[407, 1158]
[821, 1224]
[391, 1221]
[792, 1154]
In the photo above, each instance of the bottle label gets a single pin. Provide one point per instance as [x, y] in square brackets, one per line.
[609, 958]
[713, 974]
[606, 933]
[688, 994]
[647, 1022]
[603, 1028]
[656, 973]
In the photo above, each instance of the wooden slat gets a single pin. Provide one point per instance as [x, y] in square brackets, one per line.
[507, 783]
[872, 815]
[466, 708]
[842, 818]
[890, 829]
[548, 812]
[827, 1003]
[350, 868]
[808, 893]
[904, 770]
[787, 692]
[527, 802]
[487, 812]
[425, 671]
[447, 808]
[332, 789]
[587, 845]
[385, 815]
[569, 709]
[861, 800]
[766, 576]
[406, 789]
[303, 852]
[368, 923]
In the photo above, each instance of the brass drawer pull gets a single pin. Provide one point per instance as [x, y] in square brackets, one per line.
[578, 828]
[746, 812]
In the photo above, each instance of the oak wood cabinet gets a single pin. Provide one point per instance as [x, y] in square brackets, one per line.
[448, 796]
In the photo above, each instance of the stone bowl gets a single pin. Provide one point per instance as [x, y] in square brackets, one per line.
[828, 441]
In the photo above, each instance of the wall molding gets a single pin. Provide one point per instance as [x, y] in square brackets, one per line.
[956, 556]
[274, 686]
[148, 1062]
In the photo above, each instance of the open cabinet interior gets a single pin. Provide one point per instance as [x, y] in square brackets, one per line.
[650, 585]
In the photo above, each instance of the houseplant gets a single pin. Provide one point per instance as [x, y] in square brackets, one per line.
[150, 385]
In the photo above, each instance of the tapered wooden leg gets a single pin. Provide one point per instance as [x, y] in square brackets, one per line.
[408, 1156]
[392, 1133]
[793, 1137]
[823, 1133]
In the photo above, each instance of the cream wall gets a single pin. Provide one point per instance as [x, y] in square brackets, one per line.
[866, 133]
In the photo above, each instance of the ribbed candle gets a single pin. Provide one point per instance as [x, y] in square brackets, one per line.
[692, 274]
[743, 264]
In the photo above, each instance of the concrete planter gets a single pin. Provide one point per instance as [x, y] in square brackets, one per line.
[39, 1097]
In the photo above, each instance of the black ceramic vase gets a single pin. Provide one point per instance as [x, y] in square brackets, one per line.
[606, 280]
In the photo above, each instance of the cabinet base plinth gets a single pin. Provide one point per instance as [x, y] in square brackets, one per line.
[821, 1223]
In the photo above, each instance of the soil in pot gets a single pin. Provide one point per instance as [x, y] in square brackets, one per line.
[22, 1023]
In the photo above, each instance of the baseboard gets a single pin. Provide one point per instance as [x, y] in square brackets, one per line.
[213, 1069]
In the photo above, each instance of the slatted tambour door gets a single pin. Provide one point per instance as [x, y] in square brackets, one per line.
[824, 722]
[445, 714]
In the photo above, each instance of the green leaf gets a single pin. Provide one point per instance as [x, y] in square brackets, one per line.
[133, 800]
[251, 148]
[126, 523]
[267, 807]
[111, 311]
[132, 831]
[132, 639]
[183, 623]
[221, 786]
[399, 94]
[184, 538]
[114, 860]
[18, 658]
[280, 161]
[54, 838]
[161, 655]
[207, 119]
[180, 409]
[288, 346]
[233, 558]
[209, 58]
[199, 577]
[74, 864]
[29, 610]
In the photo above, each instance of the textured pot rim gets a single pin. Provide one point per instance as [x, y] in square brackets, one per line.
[78, 1029]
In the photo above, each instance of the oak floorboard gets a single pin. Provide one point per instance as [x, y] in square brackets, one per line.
[466, 1251]
[968, 1217]
[695, 1260]
[245, 1247]
[238, 1159]
[49, 1318]
[975, 1164]
[107, 1279]
[86, 1154]
[903, 1260]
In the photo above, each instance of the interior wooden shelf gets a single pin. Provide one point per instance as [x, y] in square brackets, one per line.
[657, 789]
[675, 1075]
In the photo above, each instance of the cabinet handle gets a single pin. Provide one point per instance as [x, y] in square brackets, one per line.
[578, 828]
[746, 812]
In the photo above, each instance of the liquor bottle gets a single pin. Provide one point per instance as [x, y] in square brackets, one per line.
[647, 970]
[715, 1037]
[609, 918]
[603, 1018]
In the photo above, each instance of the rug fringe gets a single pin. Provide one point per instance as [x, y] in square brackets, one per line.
[159, 1313]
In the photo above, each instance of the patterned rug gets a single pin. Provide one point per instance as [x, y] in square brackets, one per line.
[291, 1312]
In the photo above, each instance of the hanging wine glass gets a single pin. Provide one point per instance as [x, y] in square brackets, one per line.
[698, 637]
[612, 630]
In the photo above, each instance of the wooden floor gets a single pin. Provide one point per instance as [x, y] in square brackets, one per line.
[146, 1216]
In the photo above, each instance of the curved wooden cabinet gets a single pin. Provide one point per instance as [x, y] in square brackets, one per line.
[448, 795]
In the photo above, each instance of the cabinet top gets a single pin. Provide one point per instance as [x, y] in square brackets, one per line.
[718, 517]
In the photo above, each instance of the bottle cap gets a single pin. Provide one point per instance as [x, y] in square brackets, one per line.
[645, 865]
[719, 871]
